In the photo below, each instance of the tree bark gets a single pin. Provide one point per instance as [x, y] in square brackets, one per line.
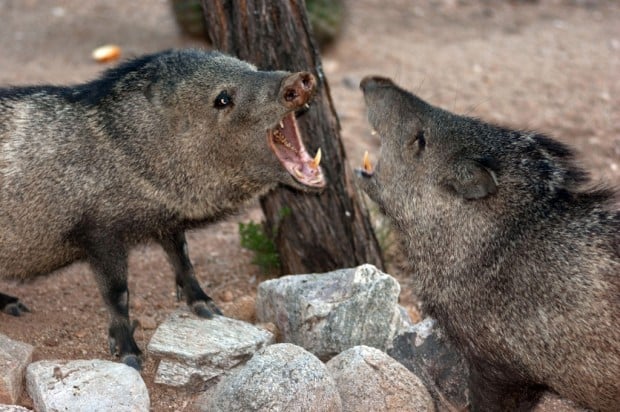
[316, 232]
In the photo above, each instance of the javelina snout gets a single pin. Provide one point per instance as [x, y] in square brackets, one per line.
[370, 82]
[297, 90]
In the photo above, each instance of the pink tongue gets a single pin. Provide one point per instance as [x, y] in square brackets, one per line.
[294, 156]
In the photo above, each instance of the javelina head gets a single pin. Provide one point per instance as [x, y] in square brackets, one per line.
[221, 119]
[438, 165]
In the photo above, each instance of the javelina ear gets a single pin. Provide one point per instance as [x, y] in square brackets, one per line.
[472, 180]
[153, 93]
[152, 87]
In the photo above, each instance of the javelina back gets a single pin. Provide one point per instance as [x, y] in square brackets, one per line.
[158, 145]
[514, 258]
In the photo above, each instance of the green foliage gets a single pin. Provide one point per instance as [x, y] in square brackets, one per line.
[254, 238]
[326, 18]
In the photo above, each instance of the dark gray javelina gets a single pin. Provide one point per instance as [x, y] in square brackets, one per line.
[518, 262]
[158, 145]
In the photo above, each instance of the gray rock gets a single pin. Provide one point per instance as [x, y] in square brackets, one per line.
[14, 357]
[281, 377]
[195, 350]
[331, 312]
[86, 385]
[369, 380]
[551, 402]
[13, 408]
[424, 351]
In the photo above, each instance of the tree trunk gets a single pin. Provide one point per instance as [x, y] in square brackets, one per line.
[315, 232]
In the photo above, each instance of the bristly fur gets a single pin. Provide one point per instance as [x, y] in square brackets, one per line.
[512, 250]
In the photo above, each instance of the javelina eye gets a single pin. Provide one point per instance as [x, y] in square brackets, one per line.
[421, 140]
[222, 100]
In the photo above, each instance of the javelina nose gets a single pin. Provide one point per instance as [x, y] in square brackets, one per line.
[370, 82]
[298, 89]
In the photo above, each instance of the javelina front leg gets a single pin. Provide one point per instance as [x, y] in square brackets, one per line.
[109, 262]
[201, 304]
[493, 390]
[11, 305]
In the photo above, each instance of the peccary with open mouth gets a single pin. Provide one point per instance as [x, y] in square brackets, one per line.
[161, 144]
[518, 262]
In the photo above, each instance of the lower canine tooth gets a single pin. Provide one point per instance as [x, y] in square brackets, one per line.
[373, 132]
[281, 124]
[366, 162]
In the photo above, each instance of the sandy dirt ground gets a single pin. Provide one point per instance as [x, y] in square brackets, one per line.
[551, 66]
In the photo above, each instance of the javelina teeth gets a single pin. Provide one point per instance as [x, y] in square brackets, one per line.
[281, 124]
[277, 134]
[317, 160]
[298, 173]
[366, 162]
[106, 53]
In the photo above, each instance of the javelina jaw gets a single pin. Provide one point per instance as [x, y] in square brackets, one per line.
[285, 141]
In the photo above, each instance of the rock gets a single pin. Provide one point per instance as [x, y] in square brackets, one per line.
[194, 350]
[369, 380]
[424, 351]
[331, 312]
[281, 377]
[13, 408]
[14, 357]
[86, 385]
[550, 402]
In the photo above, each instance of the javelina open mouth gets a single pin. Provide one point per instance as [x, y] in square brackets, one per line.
[285, 141]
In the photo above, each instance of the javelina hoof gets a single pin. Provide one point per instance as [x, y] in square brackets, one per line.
[298, 89]
[133, 361]
[205, 309]
[16, 309]
[12, 306]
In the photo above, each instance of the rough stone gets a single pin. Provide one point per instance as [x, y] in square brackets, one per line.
[424, 350]
[369, 380]
[13, 408]
[14, 357]
[550, 402]
[331, 312]
[195, 350]
[86, 385]
[281, 377]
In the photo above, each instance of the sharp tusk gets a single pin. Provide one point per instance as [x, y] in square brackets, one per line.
[317, 160]
[281, 124]
[366, 162]
[298, 173]
[373, 132]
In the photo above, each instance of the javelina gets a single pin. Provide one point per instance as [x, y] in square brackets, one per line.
[158, 145]
[514, 257]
